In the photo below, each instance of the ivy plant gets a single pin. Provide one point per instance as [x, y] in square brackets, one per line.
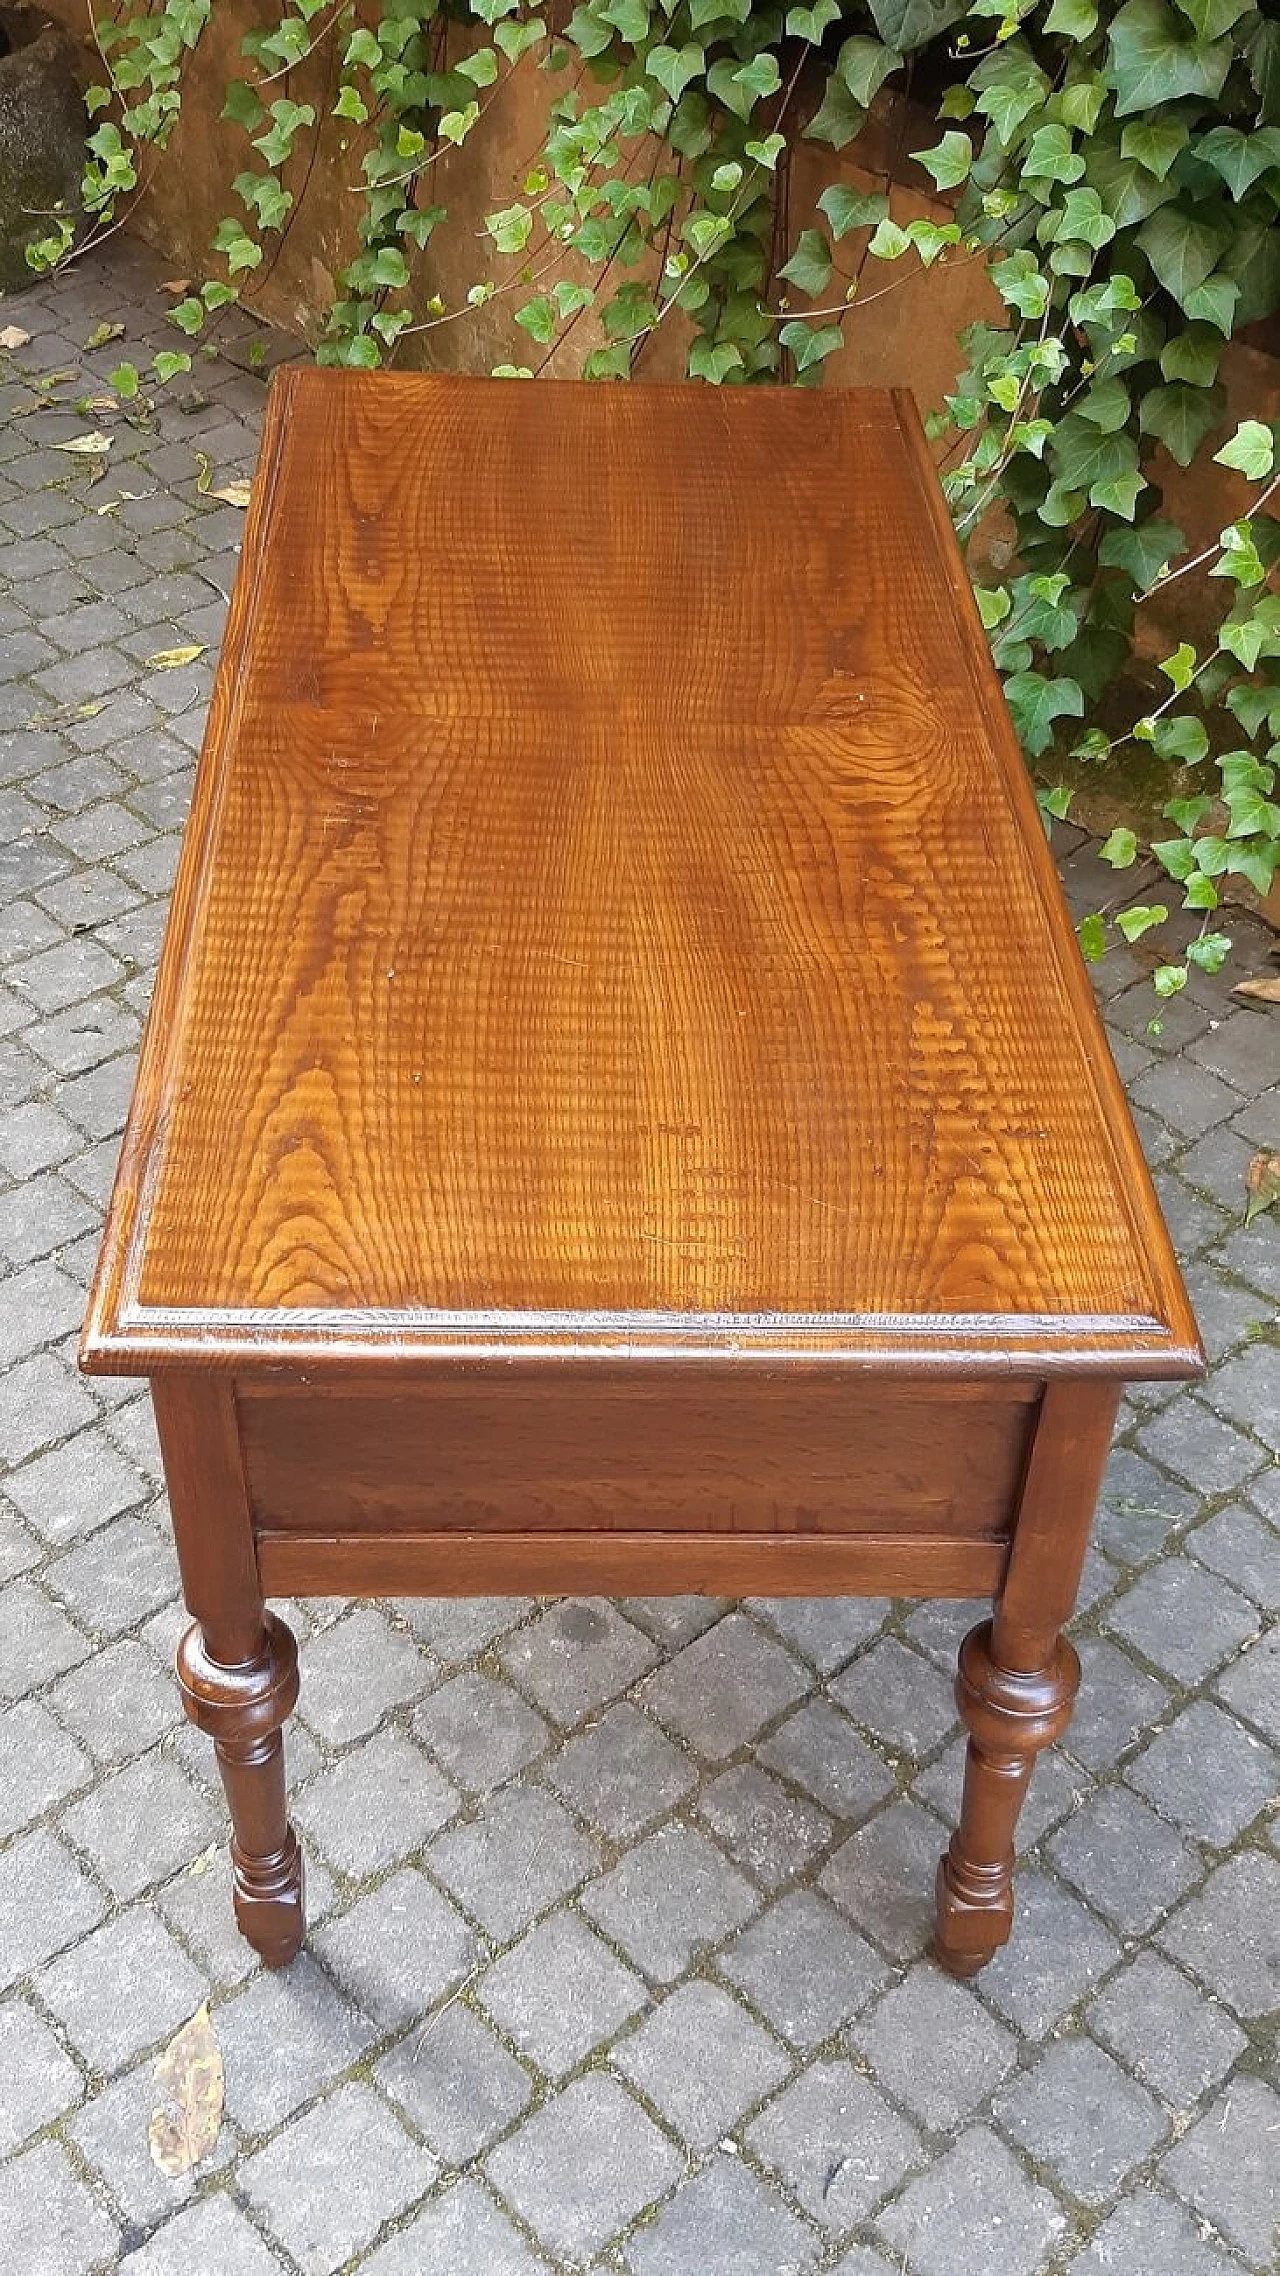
[1116, 169]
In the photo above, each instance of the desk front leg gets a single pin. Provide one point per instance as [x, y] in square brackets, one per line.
[237, 1663]
[1018, 1674]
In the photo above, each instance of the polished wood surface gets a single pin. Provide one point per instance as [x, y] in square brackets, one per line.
[614, 914]
[622, 1110]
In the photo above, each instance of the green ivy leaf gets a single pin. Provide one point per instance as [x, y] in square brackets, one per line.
[910, 24]
[949, 161]
[1182, 251]
[714, 360]
[1215, 302]
[675, 68]
[1051, 156]
[243, 105]
[888, 242]
[741, 86]
[510, 228]
[168, 362]
[810, 265]
[1193, 355]
[811, 343]
[1143, 552]
[1210, 18]
[1120, 849]
[838, 117]
[538, 319]
[1180, 668]
[1036, 702]
[810, 23]
[1183, 739]
[1251, 451]
[1167, 979]
[1092, 935]
[1142, 918]
[1211, 950]
[1154, 142]
[1072, 19]
[1152, 63]
[1180, 417]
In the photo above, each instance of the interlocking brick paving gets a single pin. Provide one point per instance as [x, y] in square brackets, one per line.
[619, 1912]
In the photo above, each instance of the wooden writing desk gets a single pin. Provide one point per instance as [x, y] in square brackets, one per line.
[623, 1110]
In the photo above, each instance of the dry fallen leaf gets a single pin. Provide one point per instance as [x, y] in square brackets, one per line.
[1262, 1179]
[102, 333]
[233, 494]
[113, 505]
[1265, 991]
[172, 659]
[178, 286]
[185, 2129]
[14, 337]
[204, 476]
[93, 445]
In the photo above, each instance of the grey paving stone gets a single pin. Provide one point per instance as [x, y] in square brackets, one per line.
[354, 1672]
[379, 1803]
[583, 2166]
[36, 1217]
[675, 1620]
[935, 2047]
[974, 2208]
[39, 1765]
[1207, 1773]
[804, 1968]
[1147, 2236]
[210, 2239]
[141, 1824]
[37, 1641]
[900, 1696]
[1081, 2116]
[40, 1304]
[1252, 1686]
[1139, 1507]
[701, 2061]
[285, 2039]
[40, 1402]
[836, 2144]
[78, 1487]
[1187, 1097]
[481, 1730]
[720, 1690]
[1194, 1223]
[1244, 1549]
[40, 2081]
[399, 1950]
[670, 1899]
[65, 974]
[1246, 1390]
[883, 1877]
[19, 1548]
[559, 1993]
[329, 2182]
[457, 2082]
[1228, 1934]
[50, 2223]
[1169, 2035]
[460, 2233]
[1118, 1703]
[1237, 1049]
[75, 1040]
[119, 1703]
[1125, 1860]
[114, 1579]
[770, 1833]
[819, 1749]
[125, 1987]
[723, 2220]
[825, 1630]
[508, 1865]
[1073, 1950]
[939, 1627]
[575, 1656]
[459, 1628]
[1227, 1314]
[1227, 2168]
[621, 1773]
[1197, 1445]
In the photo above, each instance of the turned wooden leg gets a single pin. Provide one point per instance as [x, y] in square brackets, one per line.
[1010, 1716]
[1018, 1675]
[237, 1663]
[243, 1707]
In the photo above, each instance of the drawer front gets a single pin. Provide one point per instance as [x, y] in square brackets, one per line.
[632, 1450]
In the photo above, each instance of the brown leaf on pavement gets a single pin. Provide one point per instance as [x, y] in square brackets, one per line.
[184, 2130]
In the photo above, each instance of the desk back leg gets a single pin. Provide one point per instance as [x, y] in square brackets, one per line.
[1018, 1674]
[237, 1663]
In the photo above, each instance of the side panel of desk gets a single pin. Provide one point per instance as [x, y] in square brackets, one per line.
[636, 1479]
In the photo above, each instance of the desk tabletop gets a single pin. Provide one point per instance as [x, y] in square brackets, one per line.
[615, 916]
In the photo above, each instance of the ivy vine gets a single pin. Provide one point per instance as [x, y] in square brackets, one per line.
[1117, 170]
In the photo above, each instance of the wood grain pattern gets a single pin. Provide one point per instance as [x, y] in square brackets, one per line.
[614, 916]
[625, 1564]
[658, 1448]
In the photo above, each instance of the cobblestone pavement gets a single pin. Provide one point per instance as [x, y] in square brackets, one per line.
[619, 1910]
